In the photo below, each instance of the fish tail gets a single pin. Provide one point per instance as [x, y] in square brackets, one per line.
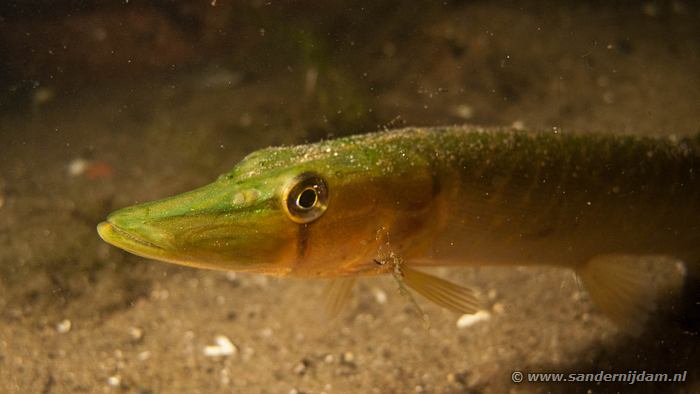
[627, 296]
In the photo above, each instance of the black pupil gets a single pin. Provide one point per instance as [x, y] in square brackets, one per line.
[307, 199]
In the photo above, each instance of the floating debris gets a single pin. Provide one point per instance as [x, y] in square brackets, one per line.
[463, 111]
[90, 169]
[223, 347]
[77, 166]
[219, 77]
[310, 81]
[650, 9]
[469, 320]
[245, 120]
[42, 96]
[99, 169]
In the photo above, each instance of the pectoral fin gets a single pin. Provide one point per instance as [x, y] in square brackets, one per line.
[620, 289]
[338, 293]
[448, 295]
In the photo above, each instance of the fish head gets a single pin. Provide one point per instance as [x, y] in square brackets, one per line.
[229, 225]
[280, 211]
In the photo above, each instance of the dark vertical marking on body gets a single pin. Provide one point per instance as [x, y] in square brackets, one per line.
[435, 173]
[436, 185]
[302, 240]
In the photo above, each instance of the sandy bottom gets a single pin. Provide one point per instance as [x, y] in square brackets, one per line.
[77, 315]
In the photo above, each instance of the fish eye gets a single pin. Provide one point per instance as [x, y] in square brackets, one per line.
[306, 198]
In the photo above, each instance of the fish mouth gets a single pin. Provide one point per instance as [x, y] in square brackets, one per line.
[138, 245]
[129, 241]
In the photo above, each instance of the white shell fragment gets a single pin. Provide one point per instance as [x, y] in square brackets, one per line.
[64, 326]
[471, 319]
[114, 381]
[223, 347]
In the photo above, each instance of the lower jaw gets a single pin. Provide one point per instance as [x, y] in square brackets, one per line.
[126, 241]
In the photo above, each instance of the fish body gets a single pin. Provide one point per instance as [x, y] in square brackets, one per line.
[458, 196]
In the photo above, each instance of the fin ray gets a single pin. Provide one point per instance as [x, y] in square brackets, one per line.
[620, 289]
[446, 294]
[337, 293]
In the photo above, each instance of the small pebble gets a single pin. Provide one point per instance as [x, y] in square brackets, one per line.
[223, 347]
[379, 295]
[300, 368]
[493, 293]
[248, 352]
[114, 381]
[64, 326]
[225, 377]
[469, 320]
[498, 308]
[348, 357]
[143, 356]
[457, 378]
[160, 294]
[266, 332]
[135, 333]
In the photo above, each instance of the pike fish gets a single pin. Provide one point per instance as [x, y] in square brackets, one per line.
[397, 202]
